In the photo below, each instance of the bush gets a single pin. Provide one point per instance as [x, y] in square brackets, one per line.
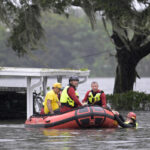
[129, 101]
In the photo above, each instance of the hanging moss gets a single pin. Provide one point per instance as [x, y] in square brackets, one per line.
[129, 101]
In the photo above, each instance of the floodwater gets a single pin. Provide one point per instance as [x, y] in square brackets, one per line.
[105, 84]
[14, 136]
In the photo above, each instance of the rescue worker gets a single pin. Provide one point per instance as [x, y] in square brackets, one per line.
[95, 96]
[69, 98]
[130, 121]
[51, 102]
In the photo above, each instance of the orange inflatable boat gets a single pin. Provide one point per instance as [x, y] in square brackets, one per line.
[83, 117]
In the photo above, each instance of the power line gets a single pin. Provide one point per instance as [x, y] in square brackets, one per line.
[98, 53]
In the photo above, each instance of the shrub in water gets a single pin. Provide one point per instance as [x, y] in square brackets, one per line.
[130, 101]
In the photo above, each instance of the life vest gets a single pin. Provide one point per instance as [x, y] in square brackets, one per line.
[92, 99]
[65, 99]
[127, 122]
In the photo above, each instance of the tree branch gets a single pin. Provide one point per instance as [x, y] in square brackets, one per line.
[76, 3]
[143, 51]
[137, 40]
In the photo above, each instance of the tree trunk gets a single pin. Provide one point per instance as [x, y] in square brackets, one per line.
[129, 53]
[125, 71]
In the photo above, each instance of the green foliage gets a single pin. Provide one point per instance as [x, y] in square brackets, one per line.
[130, 34]
[130, 101]
[27, 30]
[69, 43]
[84, 69]
[23, 18]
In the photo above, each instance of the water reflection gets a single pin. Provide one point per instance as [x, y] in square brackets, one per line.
[73, 139]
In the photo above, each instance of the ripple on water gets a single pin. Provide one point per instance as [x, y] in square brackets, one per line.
[12, 126]
[116, 142]
[7, 140]
[60, 136]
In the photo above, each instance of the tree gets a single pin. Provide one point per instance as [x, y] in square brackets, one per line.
[130, 33]
[130, 29]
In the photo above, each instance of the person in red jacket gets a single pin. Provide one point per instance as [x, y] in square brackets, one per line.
[69, 98]
[95, 96]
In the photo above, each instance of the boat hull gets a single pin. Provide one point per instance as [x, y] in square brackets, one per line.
[84, 117]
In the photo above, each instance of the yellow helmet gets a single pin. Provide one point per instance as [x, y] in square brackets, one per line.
[57, 85]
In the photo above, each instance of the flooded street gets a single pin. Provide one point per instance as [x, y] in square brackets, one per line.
[16, 136]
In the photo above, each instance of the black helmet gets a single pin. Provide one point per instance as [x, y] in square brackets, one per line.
[73, 78]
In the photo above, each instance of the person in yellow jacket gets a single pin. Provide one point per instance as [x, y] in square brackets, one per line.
[51, 102]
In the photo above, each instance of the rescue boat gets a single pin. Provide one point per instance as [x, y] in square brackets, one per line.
[83, 117]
